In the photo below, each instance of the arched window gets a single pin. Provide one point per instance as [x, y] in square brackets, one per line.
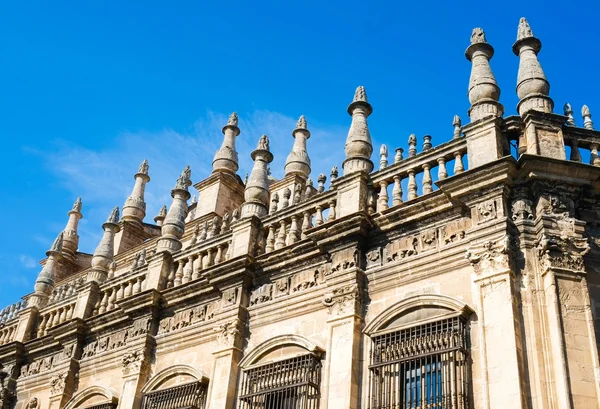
[94, 397]
[283, 373]
[419, 356]
[177, 387]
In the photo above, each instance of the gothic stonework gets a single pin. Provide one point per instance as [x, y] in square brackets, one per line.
[476, 270]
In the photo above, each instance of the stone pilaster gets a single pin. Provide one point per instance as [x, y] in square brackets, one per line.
[136, 371]
[227, 354]
[501, 361]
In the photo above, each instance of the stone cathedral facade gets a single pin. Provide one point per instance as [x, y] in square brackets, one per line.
[460, 275]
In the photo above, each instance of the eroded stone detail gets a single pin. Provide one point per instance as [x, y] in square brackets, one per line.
[343, 300]
[562, 252]
[491, 256]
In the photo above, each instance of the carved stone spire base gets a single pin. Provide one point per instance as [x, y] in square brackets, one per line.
[220, 193]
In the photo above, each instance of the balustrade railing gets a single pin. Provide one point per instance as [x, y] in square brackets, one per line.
[51, 317]
[66, 290]
[583, 145]
[289, 225]
[10, 313]
[414, 176]
[7, 333]
[113, 291]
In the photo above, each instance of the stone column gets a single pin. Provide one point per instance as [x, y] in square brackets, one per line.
[500, 336]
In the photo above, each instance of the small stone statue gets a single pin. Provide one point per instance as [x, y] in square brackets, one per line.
[263, 143]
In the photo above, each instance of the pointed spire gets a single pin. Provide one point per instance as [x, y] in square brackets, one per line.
[173, 225]
[298, 162]
[484, 92]
[160, 217]
[569, 114]
[226, 158]
[383, 154]
[71, 238]
[358, 143]
[44, 284]
[104, 253]
[587, 117]
[532, 86]
[256, 194]
[456, 123]
[134, 209]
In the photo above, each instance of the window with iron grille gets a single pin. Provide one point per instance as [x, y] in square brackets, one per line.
[109, 405]
[190, 395]
[422, 367]
[288, 384]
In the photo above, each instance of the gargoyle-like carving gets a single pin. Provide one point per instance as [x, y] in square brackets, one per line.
[562, 252]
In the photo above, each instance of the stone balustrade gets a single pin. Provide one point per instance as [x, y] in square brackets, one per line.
[119, 288]
[66, 290]
[204, 250]
[405, 175]
[583, 144]
[9, 313]
[7, 333]
[56, 315]
[289, 225]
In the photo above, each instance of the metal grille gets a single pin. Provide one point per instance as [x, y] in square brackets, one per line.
[289, 384]
[423, 367]
[189, 395]
[109, 405]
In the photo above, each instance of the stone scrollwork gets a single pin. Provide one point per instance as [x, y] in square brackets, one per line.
[562, 252]
[492, 256]
[343, 300]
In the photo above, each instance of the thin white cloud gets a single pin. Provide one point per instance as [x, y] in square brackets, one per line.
[105, 178]
[27, 261]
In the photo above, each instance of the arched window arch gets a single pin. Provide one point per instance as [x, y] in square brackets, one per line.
[94, 397]
[419, 354]
[281, 373]
[179, 386]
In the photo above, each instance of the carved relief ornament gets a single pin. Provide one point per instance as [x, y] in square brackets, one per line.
[492, 256]
[562, 252]
[228, 334]
[342, 300]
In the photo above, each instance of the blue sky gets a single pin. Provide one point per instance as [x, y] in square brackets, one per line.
[89, 89]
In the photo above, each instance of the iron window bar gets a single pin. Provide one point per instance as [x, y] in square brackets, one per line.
[190, 395]
[288, 384]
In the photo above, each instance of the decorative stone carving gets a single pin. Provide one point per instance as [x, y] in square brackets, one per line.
[282, 286]
[343, 300]
[521, 207]
[304, 280]
[118, 339]
[374, 258]
[562, 252]
[455, 230]
[33, 403]
[429, 238]
[228, 334]
[486, 211]
[230, 297]
[344, 260]
[132, 362]
[401, 248]
[185, 318]
[58, 383]
[262, 294]
[491, 256]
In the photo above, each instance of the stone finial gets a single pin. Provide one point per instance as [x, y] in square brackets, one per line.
[194, 200]
[383, 154]
[173, 226]
[144, 167]
[298, 162]
[71, 238]
[426, 142]
[587, 117]
[226, 158]
[532, 86]
[478, 36]
[309, 189]
[104, 253]
[160, 217]
[412, 145]
[568, 111]
[398, 157]
[334, 174]
[287, 193]
[274, 202]
[134, 209]
[233, 119]
[246, 179]
[183, 181]
[256, 194]
[358, 143]
[321, 183]
[456, 123]
[77, 205]
[484, 92]
[44, 284]
[524, 31]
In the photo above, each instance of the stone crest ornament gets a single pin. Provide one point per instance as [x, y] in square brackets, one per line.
[491, 256]
[562, 252]
[343, 300]
[183, 181]
[478, 36]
